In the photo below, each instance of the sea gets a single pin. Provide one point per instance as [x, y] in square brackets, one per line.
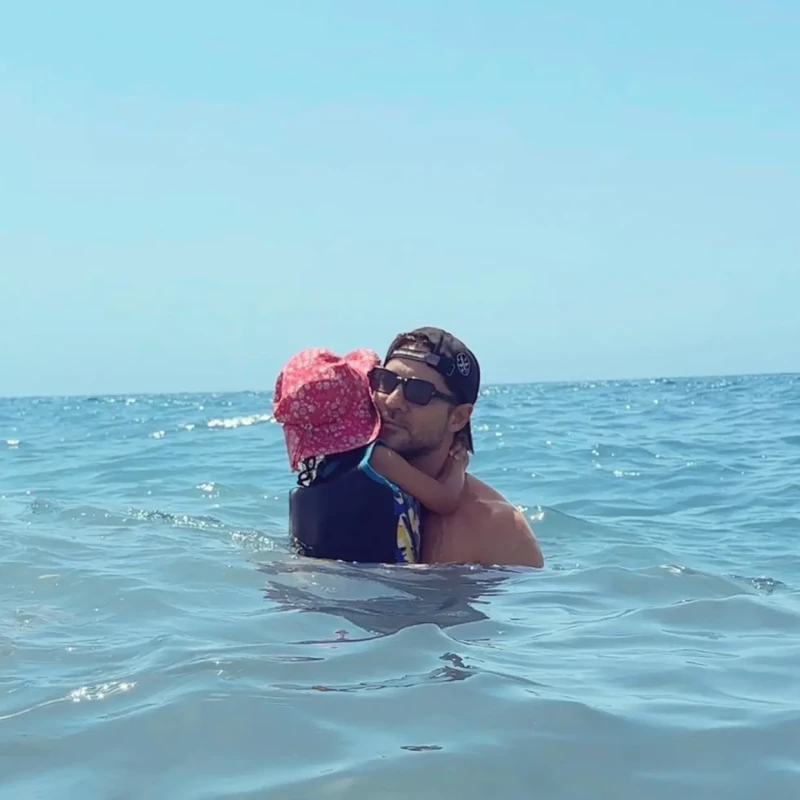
[158, 639]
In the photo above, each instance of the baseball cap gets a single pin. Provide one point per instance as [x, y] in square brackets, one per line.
[324, 404]
[449, 356]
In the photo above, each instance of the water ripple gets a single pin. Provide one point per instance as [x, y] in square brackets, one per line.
[151, 613]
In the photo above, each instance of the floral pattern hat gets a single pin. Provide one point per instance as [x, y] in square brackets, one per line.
[324, 404]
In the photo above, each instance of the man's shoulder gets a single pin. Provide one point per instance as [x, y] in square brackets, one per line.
[507, 536]
[484, 496]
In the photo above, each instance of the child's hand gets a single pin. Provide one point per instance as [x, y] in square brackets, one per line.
[455, 466]
[460, 455]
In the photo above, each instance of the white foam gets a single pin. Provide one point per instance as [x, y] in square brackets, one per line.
[239, 422]
[100, 692]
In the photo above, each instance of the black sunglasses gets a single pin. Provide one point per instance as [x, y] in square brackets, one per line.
[416, 390]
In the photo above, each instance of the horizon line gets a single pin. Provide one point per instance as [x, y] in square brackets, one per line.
[491, 384]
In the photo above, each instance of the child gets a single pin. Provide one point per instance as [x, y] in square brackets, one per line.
[356, 499]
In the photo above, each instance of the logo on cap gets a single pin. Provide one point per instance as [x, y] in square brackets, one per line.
[463, 364]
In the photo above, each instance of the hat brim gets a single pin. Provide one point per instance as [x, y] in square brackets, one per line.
[302, 444]
[363, 361]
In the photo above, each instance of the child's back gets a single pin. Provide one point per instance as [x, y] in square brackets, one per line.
[352, 513]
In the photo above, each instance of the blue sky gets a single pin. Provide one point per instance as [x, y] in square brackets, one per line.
[190, 192]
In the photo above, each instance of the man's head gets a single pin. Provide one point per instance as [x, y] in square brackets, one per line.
[451, 372]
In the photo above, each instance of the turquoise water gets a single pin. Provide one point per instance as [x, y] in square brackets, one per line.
[157, 640]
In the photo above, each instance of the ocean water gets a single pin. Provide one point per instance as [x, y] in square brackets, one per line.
[158, 640]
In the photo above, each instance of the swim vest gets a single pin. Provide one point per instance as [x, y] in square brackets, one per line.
[351, 513]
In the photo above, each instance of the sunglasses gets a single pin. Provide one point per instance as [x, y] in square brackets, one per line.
[416, 390]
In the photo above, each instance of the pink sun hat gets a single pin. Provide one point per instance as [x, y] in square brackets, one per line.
[324, 404]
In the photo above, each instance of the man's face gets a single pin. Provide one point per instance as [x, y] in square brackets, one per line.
[413, 430]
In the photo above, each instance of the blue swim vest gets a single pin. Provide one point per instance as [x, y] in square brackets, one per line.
[351, 513]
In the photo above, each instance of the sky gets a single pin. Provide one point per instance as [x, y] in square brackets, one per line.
[191, 192]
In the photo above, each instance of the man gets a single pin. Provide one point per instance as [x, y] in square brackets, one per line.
[425, 394]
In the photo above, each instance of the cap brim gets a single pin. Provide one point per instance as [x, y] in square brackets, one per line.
[467, 429]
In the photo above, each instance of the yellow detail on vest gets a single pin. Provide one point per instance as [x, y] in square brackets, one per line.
[404, 541]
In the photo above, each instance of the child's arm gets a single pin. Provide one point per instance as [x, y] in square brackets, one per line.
[440, 496]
